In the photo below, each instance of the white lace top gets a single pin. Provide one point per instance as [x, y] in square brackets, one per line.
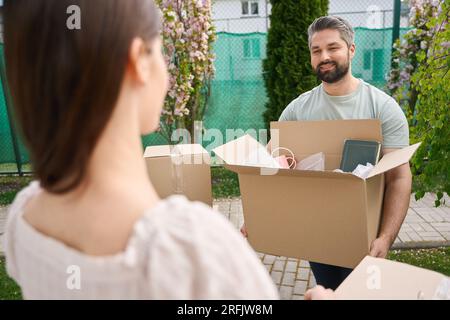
[177, 250]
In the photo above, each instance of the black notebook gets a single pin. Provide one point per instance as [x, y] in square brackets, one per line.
[359, 152]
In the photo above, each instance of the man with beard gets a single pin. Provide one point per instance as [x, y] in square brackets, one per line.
[342, 96]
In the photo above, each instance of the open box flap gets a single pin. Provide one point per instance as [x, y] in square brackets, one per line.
[188, 149]
[394, 159]
[157, 151]
[376, 278]
[167, 150]
[236, 152]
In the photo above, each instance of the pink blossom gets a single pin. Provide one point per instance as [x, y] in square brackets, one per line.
[188, 30]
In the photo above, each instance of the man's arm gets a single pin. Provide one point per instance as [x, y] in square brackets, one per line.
[395, 207]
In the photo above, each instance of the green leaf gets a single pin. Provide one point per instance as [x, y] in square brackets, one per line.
[419, 195]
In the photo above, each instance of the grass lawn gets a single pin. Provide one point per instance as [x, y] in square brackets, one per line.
[225, 183]
[433, 259]
[10, 185]
[9, 290]
[12, 168]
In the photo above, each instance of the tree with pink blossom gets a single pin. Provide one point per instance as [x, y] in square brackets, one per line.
[188, 37]
[404, 59]
[420, 81]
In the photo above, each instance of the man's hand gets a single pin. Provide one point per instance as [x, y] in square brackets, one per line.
[380, 247]
[320, 293]
[244, 230]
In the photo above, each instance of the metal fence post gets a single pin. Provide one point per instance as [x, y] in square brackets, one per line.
[396, 26]
[267, 17]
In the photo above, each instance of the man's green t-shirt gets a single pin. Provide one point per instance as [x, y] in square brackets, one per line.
[367, 102]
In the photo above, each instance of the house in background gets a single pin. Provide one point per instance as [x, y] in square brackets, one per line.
[243, 24]
[244, 16]
[236, 16]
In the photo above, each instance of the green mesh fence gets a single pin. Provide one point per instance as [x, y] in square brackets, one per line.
[13, 155]
[6, 150]
[238, 94]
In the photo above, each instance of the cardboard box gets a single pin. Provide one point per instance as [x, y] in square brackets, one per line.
[320, 216]
[376, 278]
[181, 169]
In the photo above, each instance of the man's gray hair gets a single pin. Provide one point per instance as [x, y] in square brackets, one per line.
[334, 23]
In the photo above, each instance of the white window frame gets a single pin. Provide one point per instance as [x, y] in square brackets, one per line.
[249, 8]
[252, 43]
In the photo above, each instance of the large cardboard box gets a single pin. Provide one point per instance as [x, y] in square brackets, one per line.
[320, 216]
[376, 278]
[180, 169]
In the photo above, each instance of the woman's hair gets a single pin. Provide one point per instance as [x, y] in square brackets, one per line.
[65, 77]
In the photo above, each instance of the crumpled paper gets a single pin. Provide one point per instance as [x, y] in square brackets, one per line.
[360, 171]
[363, 171]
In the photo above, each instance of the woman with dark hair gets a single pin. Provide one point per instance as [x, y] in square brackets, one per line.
[91, 225]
